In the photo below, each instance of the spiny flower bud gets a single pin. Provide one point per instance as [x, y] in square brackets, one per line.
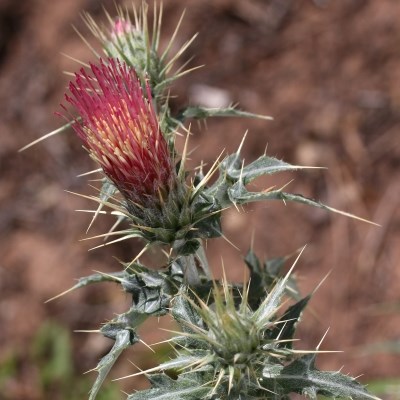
[120, 129]
[235, 341]
[137, 44]
[127, 42]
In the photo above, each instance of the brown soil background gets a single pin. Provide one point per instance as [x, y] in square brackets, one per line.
[327, 71]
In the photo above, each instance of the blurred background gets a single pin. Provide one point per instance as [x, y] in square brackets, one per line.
[329, 74]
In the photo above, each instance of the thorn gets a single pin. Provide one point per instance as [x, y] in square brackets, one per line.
[99, 201]
[94, 217]
[117, 222]
[90, 172]
[236, 206]
[136, 366]
[315, 351]
[252, 239]
[322, 281]
[52, 133]
[90, 370]
[143, 342]
[166, 51]
[60, 295]
[294, 264]
[183, 157]
[242, 142]
[265, 150]
[346, 214]
[126, 231]
[86, 42]
[113, 277]
[75, 59]
[155, 369]
[207, 177]
[323, 337]
[121, 239]
[228, 241]
[145, 248]
[285, 185]
[269, 189]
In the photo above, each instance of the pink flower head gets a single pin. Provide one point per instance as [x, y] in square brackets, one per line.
[120, 129]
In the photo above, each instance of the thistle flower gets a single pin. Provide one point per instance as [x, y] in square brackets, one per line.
[120, 129]
[119, 126]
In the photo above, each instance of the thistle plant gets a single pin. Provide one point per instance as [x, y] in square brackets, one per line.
[233, 341]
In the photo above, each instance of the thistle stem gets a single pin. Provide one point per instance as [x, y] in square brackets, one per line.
[193, 263]
[202, 258]
[191, 274]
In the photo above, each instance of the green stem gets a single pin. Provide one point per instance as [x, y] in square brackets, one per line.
[192, 264]
[201, 256]
[191, 274]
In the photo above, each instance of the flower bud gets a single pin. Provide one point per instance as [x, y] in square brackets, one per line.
[127, 42]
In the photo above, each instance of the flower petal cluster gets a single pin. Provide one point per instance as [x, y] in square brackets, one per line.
[120, 129]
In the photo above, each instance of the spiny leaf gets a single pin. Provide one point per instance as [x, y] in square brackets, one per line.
[264, 165]
[128, 322]
[264, 276]
[253, 263]
[199, 112]
[302, 377]
[184, 312]
[183, 361]
[165, 388]
[274, 266]
[230, 188]
[290, 319]
[122, 341]
[270, 305]
[153, 290]
[234, 176]
[123, 330]
[88, 280]
[238, 194]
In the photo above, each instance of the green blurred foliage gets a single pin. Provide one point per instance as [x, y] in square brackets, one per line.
[386, 388]
[51, 353]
